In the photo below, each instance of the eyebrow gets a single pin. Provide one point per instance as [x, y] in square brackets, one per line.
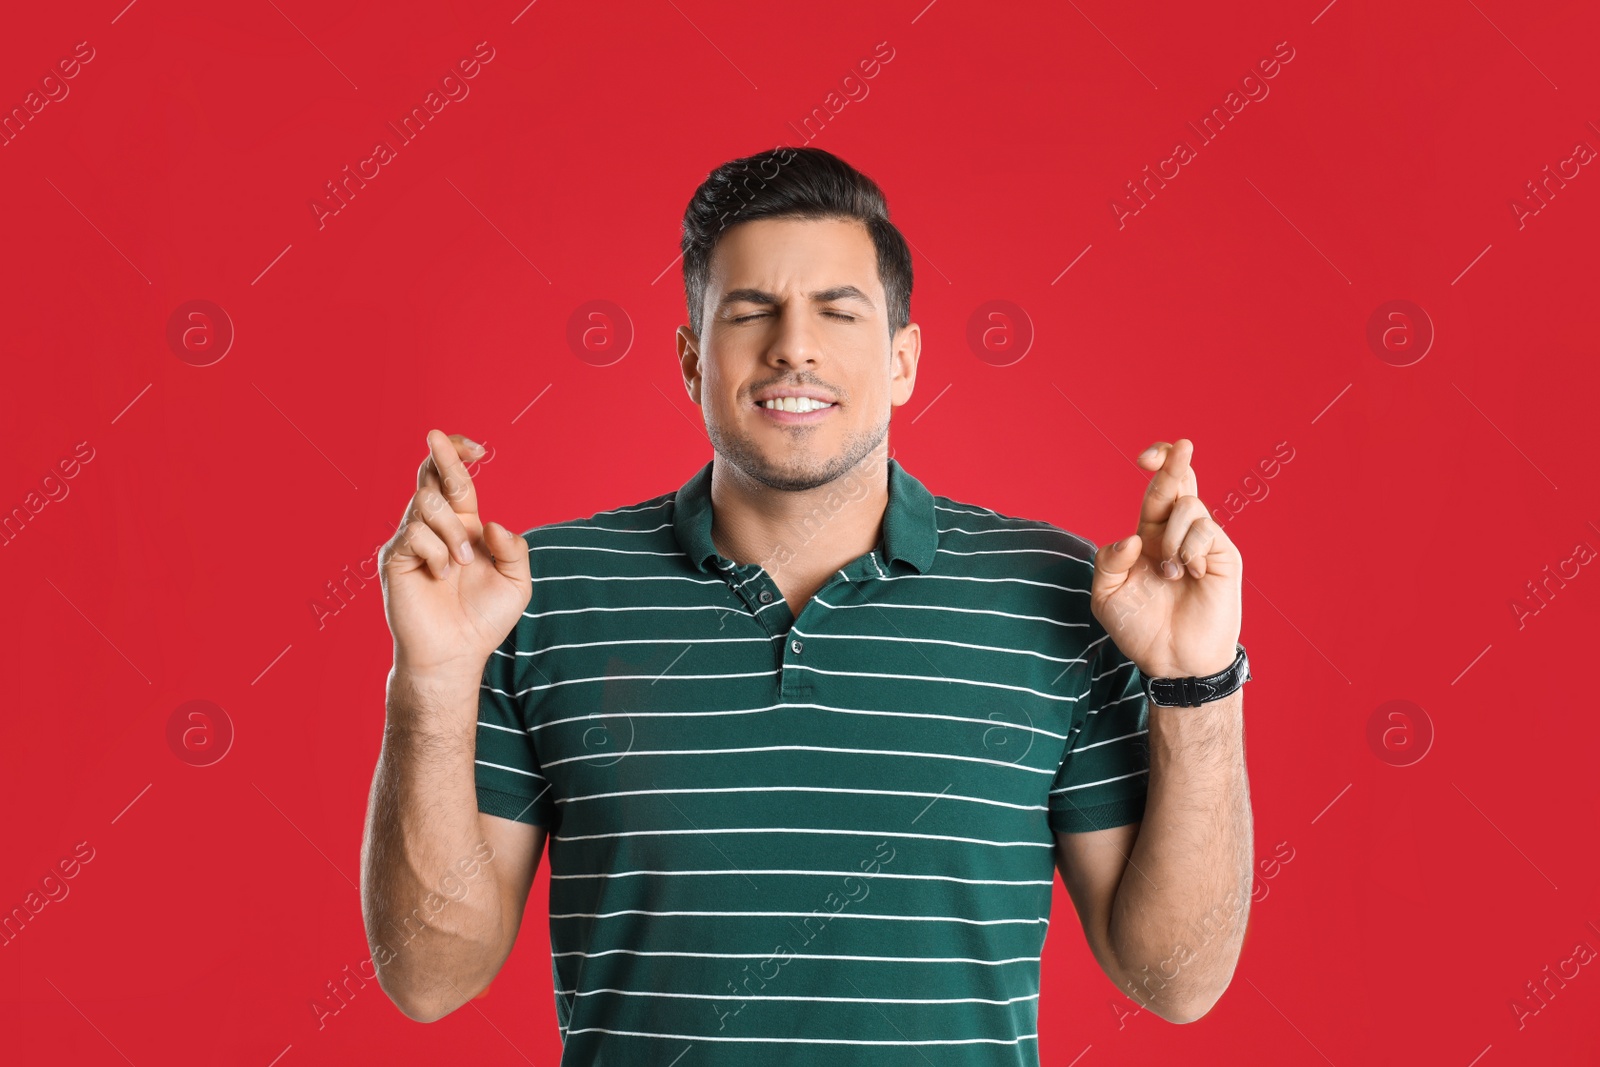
[821, 296]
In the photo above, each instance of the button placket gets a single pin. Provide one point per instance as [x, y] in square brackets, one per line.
[794, 684]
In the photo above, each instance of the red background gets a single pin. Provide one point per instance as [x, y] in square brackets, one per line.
[1382, 564]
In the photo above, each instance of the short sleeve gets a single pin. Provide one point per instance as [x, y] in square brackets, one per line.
[1105, 771]
[510, 782]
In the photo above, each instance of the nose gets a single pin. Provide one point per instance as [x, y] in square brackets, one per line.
[795, 344]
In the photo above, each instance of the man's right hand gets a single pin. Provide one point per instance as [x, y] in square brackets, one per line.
[453, 587]
[423, 820]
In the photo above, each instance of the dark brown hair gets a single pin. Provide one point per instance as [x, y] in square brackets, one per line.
[791, 183]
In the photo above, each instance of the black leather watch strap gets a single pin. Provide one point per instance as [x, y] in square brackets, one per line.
[1193, 692]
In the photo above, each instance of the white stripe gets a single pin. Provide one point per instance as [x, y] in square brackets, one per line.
[860, 637]
[1107, 741]
[1012, 552]
[647, 607]
[1103, 781]
[629, 578]
[814, 830]
[1044, 530]
[1002, 529]
[939, 607]
[969, 578]
[802, 748]
[597, 548]
[818, 599]
[651, 641]
[986, 723]
[803, 914]
[912, 678]
[747, 581]
[513, 770]
[828, 874]
[806, 789]
[1034, 525]
[630, 678]
[1112, 703]
[980, 511]
[806, 956]
[822, 1000]
[506, 729]
[601, 529]
[628, 510]
[1113, 670]
[803, 1040]
[931, 640]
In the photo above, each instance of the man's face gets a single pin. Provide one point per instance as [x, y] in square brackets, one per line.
[795, 307]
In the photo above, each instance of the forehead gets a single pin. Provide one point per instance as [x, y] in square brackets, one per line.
[775, 254]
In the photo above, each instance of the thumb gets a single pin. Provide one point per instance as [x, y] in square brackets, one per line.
[1111, 565]
[510, 551]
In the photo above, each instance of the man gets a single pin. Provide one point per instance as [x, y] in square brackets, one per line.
[808, 742]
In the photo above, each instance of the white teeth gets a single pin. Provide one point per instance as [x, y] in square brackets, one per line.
[797, 404]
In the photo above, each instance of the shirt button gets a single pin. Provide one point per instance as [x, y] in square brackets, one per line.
[797, 645]
[766, 596]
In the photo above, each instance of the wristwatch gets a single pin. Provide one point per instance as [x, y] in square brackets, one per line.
[1192, 692]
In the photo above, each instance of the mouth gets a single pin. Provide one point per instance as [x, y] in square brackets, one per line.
[793, 410]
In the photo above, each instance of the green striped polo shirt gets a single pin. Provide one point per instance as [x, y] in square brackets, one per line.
[787, 839]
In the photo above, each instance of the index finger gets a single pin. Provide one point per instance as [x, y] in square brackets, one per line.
[444, 471]
[1173, 479]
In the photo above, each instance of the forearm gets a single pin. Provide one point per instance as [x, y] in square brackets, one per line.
[1178, 919]
[430, 898]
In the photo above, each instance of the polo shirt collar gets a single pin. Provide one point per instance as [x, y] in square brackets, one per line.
[910, 528]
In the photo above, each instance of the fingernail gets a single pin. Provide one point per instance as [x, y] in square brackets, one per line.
[1117, 547]
[471, 444]
[466, 552]
[1169, 569]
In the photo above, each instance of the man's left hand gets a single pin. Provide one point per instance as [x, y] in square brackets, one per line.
[1169, 595]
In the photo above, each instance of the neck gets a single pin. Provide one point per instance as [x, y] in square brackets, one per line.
[800, 533]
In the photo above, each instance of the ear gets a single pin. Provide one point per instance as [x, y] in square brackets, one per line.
[904, 351]
[689, 362]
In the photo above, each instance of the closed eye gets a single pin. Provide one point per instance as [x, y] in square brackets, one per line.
[756, 315]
